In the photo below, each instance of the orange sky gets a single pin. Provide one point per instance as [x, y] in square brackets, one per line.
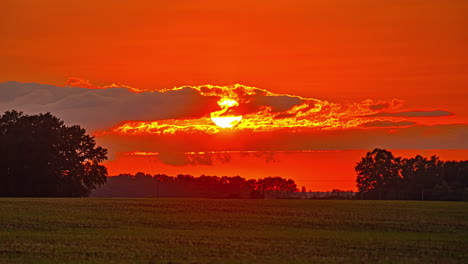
[348, 57]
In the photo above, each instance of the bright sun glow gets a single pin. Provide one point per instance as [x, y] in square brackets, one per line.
[221, 118]
[226, 121]
[227, 102]
[307, 113]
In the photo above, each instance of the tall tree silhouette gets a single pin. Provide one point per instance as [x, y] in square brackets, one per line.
[40, 156]
[378, 173]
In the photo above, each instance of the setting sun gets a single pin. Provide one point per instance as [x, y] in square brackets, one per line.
[224, 118]
[226, 121]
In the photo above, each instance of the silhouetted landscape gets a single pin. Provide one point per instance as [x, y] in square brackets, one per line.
[160, 185]
[41, 156]
[233, 132]
[188, 186]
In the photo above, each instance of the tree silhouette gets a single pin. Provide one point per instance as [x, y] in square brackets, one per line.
[420, 174]
[378, 173]
[277, 184]
[40, 156]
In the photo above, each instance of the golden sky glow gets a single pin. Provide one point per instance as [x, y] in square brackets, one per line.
[249, 108]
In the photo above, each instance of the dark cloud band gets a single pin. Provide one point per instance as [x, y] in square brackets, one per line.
[435, 113]
[388, 124]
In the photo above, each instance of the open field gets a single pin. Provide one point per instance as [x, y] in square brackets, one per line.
[94, 230]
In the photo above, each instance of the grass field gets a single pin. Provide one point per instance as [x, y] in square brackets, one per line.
[97, 230]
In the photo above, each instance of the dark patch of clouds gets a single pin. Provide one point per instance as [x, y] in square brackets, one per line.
[267, 156]
[277, 103]
[183, 159]
[284, 115]
[435, 113]
[451, 136]
[379, 106]
[101, 108]
[388, 124]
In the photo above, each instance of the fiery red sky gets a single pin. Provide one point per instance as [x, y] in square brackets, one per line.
[298, 89]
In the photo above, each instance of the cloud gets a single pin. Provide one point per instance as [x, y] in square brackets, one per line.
[388, 124]
[181, 159]
[102, 108]
[182, 108]
[185, 158]
[379, 106]
[413, 137]
[178, 120]
[394, 104]
[277, 103]
[82, 83]
[435, 113]
[202, 158]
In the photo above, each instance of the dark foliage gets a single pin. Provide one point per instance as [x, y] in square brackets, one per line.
[380, 175]
[40, 156]
[161, 185]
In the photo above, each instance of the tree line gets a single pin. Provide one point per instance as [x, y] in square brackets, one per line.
[184, 185]
[381, 175]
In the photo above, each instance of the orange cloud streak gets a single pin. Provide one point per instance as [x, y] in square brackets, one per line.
[307, 113]
[83, 83]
